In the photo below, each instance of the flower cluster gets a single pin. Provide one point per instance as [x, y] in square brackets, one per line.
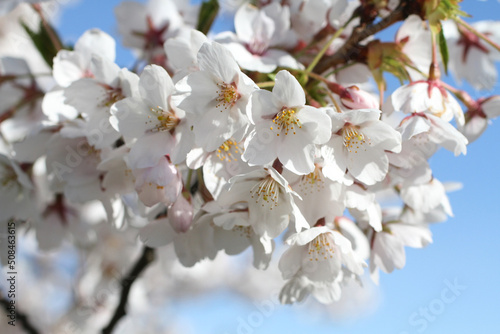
[220, 143]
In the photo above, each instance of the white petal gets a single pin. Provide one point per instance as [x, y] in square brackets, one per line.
[218, 61]
[288, 90]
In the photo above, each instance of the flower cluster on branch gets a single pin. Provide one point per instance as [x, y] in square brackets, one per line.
[244, 139]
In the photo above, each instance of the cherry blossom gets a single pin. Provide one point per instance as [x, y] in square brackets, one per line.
[358, 142]
[217, 152]
[260, 33]
[215, 97]
[282, 121]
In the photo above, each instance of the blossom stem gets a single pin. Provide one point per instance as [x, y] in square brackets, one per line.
[434, 72]
[318, 57]
[351, 46]
[266, 84]
[56, 42]
[188, 181]
[147, 256]
[485, 38]
[317, 77]
[463, 96]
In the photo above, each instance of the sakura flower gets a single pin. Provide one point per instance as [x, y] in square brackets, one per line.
[182, 52]
[388, 245]
[93, 97]
[309, 17]
[150, 124]
[20, 114]
[425, 197]
[70, 66]
[158, 184]
[422, 135]
[478, 116]
[15, 187]
[358, 145]
[215, 97]
[234, 234]
[356, 98]
[415, 37]
[321, 197]
[299, 287]
[352, 97]
[259, 34]
[363, 206]
[271, 202]
[181, 213]
[282, 122]
[72, 165]
[471, 58]
[146, 27]
[319, 254]
[428, 97]
[191, 246]
[220, 165]
[327, 249]
[60, 221]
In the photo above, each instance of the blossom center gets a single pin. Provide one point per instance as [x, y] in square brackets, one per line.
[244, 231]
[113, 95]
[257, 46]
[312, 181]
[228, 150]
[8, 178]
[227, 96]
[320, 248]
[354, 139]
[164, 120]
[286, 120]
[266, 192]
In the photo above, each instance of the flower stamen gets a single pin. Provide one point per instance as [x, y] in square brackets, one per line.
[320, 248]
[165, 120]
[228, 150]
[286, 120]
[228, 96]
[268, 191]
[353, 138]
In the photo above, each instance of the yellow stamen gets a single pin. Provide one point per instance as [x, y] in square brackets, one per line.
[228, 96]
[286, 120]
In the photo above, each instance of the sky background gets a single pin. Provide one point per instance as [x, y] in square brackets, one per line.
[465, 251]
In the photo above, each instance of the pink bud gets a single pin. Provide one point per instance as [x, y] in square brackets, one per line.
[180, 214]
[354, 98]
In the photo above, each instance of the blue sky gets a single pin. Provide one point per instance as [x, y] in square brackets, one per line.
[465, 251]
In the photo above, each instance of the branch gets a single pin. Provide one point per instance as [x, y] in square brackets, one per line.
[361, 32]
[21, 317]
[148, 255]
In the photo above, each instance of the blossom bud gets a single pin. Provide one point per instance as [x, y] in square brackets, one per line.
[354, 98]
[180, 214]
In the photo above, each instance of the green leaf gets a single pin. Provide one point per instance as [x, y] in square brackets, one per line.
[443, 48]
[271, 76]
[208, 12]
[42, 42]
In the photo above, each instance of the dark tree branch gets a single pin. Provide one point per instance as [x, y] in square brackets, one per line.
[351, 48]
[20, 317]
[148, 255]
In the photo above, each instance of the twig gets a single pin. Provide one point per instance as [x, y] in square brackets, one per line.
[52, 34]
[488, 40]
[316, 59]
[148, 255]
[361, 32]
[20, 317]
